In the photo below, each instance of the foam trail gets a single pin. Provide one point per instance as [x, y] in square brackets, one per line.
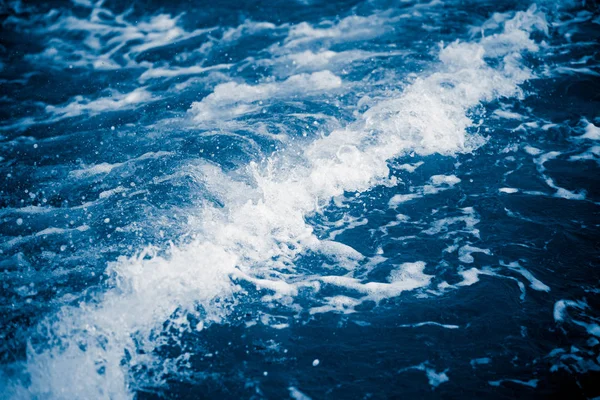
[104, 345]
[230, 100]
[433, 377]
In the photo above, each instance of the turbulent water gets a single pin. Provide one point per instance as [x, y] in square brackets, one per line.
[299, 199]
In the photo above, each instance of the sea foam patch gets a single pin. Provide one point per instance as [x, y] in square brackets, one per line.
[230, 100]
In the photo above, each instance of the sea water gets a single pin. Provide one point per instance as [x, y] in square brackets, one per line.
[299, 199]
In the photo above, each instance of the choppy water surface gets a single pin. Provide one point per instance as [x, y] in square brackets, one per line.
[299, 199]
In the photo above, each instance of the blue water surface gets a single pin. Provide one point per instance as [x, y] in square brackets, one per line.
[299, 199]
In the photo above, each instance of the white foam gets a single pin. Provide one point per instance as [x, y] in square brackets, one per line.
[60, 231]
[433, 377]
[592, 132]
[468, 219]
[398, 199]
[98, 169]
[532, 150]
[307, 58]
[409, 276]
[116, 101]
[535, 283]
[548, 126]
[106, 168]
[464, 253]
[346, 223]
[7, 244]
[179, 71]
[576, 71]
[343, 255]
[231, 100]
[429, 323]
[149, 297]
[560, 308]
[480, 361]
[297, 394]
[593, 153]
[470, 276]
[508, 115]
[559, 191]
[410, 168]
[106, 37]
[437, 183]
[338, 304]
[347, 29]
[247, 28]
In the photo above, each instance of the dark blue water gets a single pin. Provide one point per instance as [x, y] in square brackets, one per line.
[299, 199]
